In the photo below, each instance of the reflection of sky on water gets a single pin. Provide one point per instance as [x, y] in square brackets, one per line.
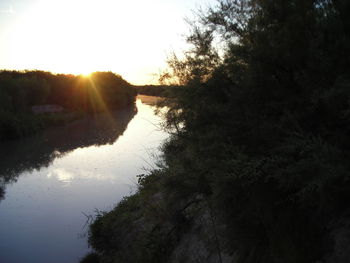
[41, 217]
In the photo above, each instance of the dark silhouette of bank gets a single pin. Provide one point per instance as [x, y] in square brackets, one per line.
[33, 100]
[257, 169]
[156, 90]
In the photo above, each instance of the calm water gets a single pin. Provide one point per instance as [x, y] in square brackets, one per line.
[51, 183]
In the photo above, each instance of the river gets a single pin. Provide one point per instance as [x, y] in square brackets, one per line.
[52, 184]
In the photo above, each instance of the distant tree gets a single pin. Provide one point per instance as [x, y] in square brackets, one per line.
[20, 90]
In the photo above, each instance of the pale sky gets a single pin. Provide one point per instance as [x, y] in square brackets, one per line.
[129, 37]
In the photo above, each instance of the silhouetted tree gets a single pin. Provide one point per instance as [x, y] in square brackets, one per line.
[19, 91]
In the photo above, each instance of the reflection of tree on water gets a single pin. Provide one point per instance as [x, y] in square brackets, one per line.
[40, 150]
[2, 189]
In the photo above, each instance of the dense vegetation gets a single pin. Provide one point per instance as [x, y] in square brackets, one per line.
[260, 142]
[19, 91]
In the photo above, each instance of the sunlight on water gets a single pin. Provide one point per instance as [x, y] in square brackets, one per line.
[50, 192]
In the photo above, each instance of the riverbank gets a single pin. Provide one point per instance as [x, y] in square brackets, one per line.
[33, 100]
[147, 227]
[164, 91]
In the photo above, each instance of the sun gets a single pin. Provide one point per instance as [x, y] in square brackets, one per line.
[86, 74]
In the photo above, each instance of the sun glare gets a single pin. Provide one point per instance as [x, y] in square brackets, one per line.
[85, 75]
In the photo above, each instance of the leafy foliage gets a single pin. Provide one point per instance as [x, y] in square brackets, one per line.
[266, 126]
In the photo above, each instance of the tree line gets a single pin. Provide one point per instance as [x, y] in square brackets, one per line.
[21, 90]
[155, 90]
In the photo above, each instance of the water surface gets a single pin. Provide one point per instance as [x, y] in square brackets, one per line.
[51, 183]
